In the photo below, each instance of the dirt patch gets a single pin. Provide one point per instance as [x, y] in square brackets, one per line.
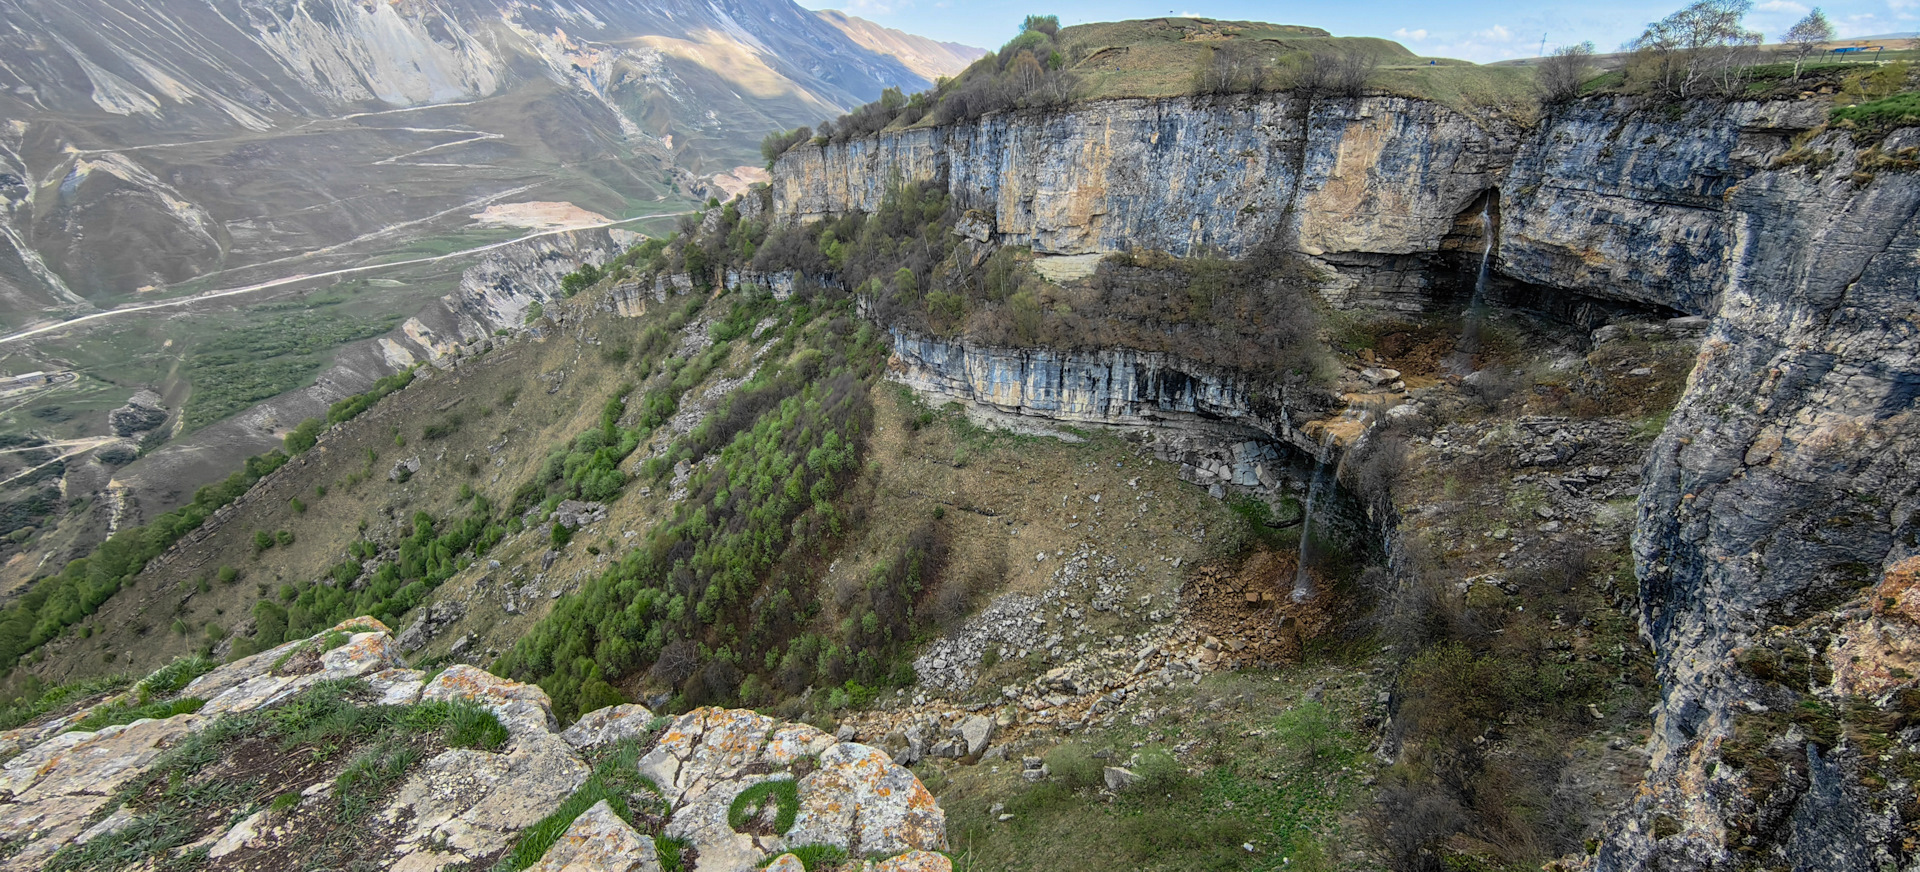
[300, 662]
[313, 828]
[1249, 609]
[538, 216]
[1418, 352]
[736, 181]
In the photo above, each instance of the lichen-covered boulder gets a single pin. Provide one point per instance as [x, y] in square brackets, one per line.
[850, 796]
[268, 677]
[469, 805]
[863, 801]
[49, 792]
[524, 709]
[912, 861]
[599, 841]
[786, 863]
[608, 725]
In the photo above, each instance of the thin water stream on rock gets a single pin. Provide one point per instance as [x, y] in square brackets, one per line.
[1461, 361]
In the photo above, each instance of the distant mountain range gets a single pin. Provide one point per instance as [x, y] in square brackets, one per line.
[149, 143]
[927, 57]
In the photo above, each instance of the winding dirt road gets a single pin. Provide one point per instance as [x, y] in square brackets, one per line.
[304, 277]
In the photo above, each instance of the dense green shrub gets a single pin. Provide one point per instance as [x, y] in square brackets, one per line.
[681, 607]
[580, 279]
[243, 365]
[778, 142]
[351, 407]
[428, 556]
[304, 435]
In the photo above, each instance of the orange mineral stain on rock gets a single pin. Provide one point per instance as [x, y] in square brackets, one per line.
[1879, 650]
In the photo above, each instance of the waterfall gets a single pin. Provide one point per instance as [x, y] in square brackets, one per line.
[1461, 361]
[1325, 474]
[1302, 584]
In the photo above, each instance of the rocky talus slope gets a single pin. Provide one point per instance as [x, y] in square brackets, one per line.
[1774, 537]
[68, 790]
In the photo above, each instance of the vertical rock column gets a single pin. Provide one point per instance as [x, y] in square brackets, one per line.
[1781, 490]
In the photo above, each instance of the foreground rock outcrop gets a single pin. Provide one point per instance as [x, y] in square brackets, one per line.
[461, 806]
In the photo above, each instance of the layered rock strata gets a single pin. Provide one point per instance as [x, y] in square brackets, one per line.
[1221, 426]
[1778, 512]
[1386, 193]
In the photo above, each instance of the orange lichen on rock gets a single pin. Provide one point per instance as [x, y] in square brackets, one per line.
[1880, 650]
[914, 861]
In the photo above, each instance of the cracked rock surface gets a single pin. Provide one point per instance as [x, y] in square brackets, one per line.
[851, 796]
[465, 807]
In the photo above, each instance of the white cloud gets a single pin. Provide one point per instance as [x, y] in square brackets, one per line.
[1898, 5]
[1411, 35]
[1496, 43]
[1864, 24]
[875, 7]
[1786, 6]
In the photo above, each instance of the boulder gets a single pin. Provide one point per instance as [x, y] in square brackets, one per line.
[859, 797]
[576, 513]
[523, 709]
[912, 861]
[599, 841]
[404, 469]
[142, 413]
[433, 619]
[1379, 376]
[854, 797]
[608, 725]
[253, 682]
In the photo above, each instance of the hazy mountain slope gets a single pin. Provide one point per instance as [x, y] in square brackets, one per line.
[153, 143]
[929, 58]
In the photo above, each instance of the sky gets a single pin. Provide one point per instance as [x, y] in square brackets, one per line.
[1475, 30]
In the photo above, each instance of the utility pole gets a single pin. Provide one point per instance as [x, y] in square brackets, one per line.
[1543, 46]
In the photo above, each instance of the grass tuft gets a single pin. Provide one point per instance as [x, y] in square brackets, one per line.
[813, 858]
[462, 724]
[115, 714]
[783, 791]
[30, 706]
[171, 678]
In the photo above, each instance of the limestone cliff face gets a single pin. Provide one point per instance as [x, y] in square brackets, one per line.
[1778, 508]
[1776, 543]
[1220, 425]
[1600, 200]
[1381, 176]
[1629, 205]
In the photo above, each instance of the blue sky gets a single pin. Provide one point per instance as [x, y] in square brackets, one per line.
[1476, 30]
